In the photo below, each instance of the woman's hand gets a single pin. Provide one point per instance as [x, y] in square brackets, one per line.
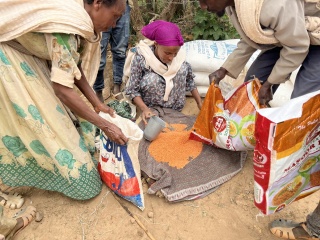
[265, 94]
[104, 108]
[217, 76]
[114, 133]
[147, 113]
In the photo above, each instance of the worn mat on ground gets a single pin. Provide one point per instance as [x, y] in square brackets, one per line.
[199, 177]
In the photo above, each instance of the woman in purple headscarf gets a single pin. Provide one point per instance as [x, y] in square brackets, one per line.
[157, 70]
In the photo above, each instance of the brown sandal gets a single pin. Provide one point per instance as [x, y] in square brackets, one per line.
[12, 200]
[290, 230]
[27, 215]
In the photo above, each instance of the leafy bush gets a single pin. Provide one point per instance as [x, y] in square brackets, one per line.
[193, 22]
[210, 27]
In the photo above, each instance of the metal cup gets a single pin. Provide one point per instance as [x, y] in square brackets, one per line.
[154, 126]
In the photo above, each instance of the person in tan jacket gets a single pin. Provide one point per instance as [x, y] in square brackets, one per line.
[285, 37]
[287, 33]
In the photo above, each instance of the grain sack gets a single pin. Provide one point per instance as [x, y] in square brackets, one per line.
[228, 122]
[119, 164]
[206, 56]
[226, 84]
[286, 156]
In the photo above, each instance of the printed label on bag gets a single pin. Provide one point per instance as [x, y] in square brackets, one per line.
[287, 157]
[258, 193]
[116, 170]
[228, 123]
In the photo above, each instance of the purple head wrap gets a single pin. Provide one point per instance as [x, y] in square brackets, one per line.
[164, 33]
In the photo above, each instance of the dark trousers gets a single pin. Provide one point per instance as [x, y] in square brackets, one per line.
[308, 77]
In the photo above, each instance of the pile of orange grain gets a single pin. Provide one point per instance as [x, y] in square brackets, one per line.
[174, 147]
[175, 127]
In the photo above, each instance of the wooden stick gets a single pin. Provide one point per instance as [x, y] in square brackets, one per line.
[134, 217]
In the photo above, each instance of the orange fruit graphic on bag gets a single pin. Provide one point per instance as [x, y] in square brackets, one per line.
[233, 131]
[247, 127]
[248, 133]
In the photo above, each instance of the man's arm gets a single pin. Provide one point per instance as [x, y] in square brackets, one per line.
[237, 60]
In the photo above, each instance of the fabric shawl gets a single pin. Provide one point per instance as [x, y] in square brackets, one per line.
[168, 73]
[248, 13]
[19, 17]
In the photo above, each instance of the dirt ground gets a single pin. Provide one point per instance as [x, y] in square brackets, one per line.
[226, 214]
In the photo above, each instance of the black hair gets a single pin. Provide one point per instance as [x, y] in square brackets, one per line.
[107, 3]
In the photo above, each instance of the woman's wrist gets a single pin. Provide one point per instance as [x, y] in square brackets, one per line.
[98, 107]
[145, 108]
[102, 124]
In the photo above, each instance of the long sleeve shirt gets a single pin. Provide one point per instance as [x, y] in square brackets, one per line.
[287, 19]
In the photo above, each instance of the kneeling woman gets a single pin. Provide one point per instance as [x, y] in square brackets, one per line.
[159, 74]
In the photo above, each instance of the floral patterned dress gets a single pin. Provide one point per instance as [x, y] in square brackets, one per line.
[39, 144]
[150, 86]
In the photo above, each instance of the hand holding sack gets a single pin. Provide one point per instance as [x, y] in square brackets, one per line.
[119, 164]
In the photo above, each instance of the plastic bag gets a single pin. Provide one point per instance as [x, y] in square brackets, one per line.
[287, 154]
[228, 122]
[119, 164]
[123, 107]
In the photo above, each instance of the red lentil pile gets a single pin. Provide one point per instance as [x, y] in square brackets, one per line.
[174, 147]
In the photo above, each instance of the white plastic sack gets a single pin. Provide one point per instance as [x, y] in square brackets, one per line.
[119, 165]
[206, 56]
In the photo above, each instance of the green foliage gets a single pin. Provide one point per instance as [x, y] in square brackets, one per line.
[210, 27]
[194, 23]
